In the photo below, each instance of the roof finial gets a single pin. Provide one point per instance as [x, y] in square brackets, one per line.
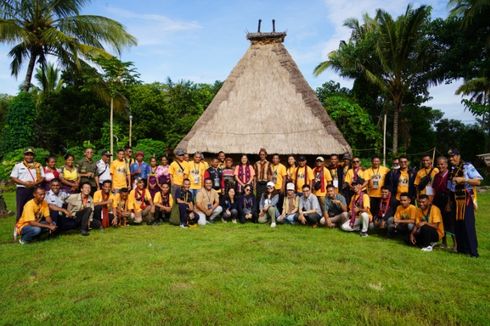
[258, 28]
[273, 26]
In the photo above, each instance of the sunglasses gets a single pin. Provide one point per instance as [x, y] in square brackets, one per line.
[247, 189]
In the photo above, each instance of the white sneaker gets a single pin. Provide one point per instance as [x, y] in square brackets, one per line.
[15, 233]
[233, 221]
[22, 242]
[183, 226]
[273, 224]
[224, 221]
[427, 249]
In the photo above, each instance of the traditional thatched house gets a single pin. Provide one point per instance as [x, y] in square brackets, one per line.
[265, 102]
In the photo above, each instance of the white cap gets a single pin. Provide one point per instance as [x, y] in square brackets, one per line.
[290, 186]
[270, 184]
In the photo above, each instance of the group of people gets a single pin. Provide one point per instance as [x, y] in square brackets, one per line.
[425, 205]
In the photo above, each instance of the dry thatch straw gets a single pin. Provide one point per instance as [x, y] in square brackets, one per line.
[265, 103]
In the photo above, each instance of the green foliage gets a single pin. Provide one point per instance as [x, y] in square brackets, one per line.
[121, 138]
[151, 148]
[13, 157]
[354, 123]
[18, 129]
[469, 139]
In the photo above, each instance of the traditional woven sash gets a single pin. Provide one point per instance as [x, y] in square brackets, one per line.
[319, 174]
[460, 194]
[139, 196]
[384, 206]
[105, 211]
[36, 166]
[359, 203]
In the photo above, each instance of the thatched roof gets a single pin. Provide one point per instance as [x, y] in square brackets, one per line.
[265, 102]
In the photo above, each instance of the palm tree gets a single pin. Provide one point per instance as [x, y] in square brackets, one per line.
[387, 53]
[40, 28]
[49, 78]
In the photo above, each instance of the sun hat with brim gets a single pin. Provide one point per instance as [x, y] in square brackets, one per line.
[29, 150]
[290, 186]
[270, 184]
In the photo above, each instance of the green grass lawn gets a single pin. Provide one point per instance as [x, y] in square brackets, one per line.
[240, 275]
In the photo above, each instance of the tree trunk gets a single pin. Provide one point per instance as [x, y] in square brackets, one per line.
[396, 118]
[111, 127]
[30, 71]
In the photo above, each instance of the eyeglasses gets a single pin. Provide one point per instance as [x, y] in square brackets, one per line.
[356, 161]
[269, 187]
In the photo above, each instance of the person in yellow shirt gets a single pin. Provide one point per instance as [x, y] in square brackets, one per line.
[121, 178]
[196, 169]
[428, 228]
[279, 173]
[354, 174]
[163, 202]
[140, 204]
[375, 177]
[360, 211]
[35, 218]
[103, 206]
[404, 219]
[322, 178]
[303, 175]
[291, 169]
[424, 178]
[120, 207]
[178, 170]
[401, 177]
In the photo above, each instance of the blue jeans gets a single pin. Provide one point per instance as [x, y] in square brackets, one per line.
[291, 218]
[30, 233]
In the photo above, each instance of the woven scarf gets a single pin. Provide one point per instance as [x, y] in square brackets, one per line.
[140, 196]
[165, 199]
[319, 171]
[384, 206]
[359, 203]
[34, 165]
[460, 195]
[105, 211]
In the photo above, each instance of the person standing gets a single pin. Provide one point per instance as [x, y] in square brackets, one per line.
[128, 156]
[337, 172]
[152, 180]
[26, 175]
[303, 175]
[463, 180]
[279, 174]
[163, 174]
[35, 218]
[263, 173]
[401, 180]
[244, 174]
[424, 177]
[353, 175]
[87, 169]
[222, 160]
[291, 169]
[50, 172]
[441, 200]
[322, 180]
[216, 175]
[375, 177]
[179, 170]
[228, 180]
[103, 169]
[197, 168]
[121, 178]
[69, 175]
[139, 169]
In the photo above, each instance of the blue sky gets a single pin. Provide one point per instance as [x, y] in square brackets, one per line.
[203, 40]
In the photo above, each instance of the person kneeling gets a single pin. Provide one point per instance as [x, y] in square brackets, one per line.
[404, 218]
[35, 219]
[268, 205]
[185, 203]
[103, 206]
[81, 207]
[230, 206]
[207, 203]
[140, 204]
[309, 208]
[163, 202]
[335, 210]
[428, 228]
[386, 209]
[290, 206]
[360, 212]
[121, 208]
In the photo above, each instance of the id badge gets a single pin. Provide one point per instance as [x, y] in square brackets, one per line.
[429, 191]
[336, 183]
[196, 179]
[210, 206]
[375, 184]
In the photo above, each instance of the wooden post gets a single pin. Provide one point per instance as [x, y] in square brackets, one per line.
[384, 140]
[273, 25]
[111, 122]
[258, 27]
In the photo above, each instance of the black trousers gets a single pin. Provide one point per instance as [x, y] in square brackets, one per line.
[79, 221]
[465, 232]
[374, 202]
[160, 215]
[97, 219]
[22, 196]
[261, 188]
[426, 236]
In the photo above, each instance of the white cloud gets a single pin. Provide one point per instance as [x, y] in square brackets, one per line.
[152, 29]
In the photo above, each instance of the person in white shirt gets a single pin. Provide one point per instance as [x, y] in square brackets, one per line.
[103, 169]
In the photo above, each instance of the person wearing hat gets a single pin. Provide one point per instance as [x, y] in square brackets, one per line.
[268, 205]
[303, 175]
[179, 170]
[290, 206]
[87, 169]
[375, 177]
[26, 175]
[322, 179]
[309, 207]
[463, 180]
[360, 211]
[139, 169]
[103, 172]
